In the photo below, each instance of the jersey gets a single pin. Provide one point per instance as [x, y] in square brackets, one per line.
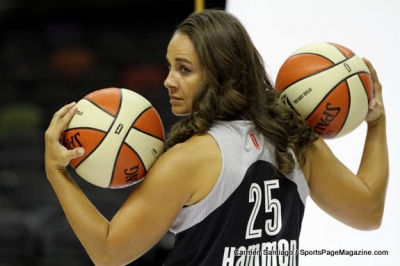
[252, 216]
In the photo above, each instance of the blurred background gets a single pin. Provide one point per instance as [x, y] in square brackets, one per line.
[52, 53]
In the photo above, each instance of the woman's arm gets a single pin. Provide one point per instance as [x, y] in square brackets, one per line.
[355, 199]
[148, 212]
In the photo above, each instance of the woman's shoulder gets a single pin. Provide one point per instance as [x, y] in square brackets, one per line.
[195, 152]
[197, 162]
[198, 147]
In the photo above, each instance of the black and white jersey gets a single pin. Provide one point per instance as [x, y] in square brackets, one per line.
[252, 216]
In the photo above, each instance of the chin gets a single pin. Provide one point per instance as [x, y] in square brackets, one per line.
[180, 112]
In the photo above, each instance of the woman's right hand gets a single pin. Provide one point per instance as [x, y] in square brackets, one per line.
[57, 157]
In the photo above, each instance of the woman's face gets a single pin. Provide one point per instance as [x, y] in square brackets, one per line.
[185, 74]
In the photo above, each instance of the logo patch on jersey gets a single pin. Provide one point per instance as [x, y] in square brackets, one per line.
[255, 142]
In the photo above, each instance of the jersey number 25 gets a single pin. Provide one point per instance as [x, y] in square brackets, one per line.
[272, 205]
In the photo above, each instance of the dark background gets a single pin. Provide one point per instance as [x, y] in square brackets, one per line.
[52, 53]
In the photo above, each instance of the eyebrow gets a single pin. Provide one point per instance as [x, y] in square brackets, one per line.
[180, 59]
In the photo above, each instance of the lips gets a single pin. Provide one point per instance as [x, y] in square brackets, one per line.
[173, 99]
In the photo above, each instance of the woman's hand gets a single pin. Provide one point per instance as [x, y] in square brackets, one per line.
[56, 155]
[376, 110]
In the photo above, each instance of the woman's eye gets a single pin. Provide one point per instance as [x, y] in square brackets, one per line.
[185, 70]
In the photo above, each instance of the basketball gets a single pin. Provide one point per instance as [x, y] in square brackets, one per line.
[327, 85]
[122, 134]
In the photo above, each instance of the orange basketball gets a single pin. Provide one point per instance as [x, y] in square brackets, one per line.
[122, 134]
[327, 85]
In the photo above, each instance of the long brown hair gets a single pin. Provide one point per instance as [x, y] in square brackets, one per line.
[237, 86]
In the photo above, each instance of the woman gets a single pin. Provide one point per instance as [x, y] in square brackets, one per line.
[238, 167]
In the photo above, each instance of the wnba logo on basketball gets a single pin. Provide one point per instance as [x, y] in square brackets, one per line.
[119, 128]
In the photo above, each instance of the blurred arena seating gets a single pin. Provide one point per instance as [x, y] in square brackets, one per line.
[52, 53]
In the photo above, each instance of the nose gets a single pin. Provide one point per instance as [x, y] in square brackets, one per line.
[170, 82]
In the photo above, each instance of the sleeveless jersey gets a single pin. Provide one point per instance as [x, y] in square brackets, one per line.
[252, 216]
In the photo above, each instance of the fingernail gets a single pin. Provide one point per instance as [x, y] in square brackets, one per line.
[80, 151]
[373, 103]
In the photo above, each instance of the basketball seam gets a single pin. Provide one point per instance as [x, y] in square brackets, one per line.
[315, 73]
[347, 113]
[101, 108]
[109, 129]
[115, 161]
[123, 141]
[144, 132]
[92, 128]
[88, 155]
[320, 55]
[365, 89]
[340, 51]
[328, 93]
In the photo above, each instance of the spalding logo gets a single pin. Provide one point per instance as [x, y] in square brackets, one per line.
[131, 175]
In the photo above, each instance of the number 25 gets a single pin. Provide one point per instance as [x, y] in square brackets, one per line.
[272, 226]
